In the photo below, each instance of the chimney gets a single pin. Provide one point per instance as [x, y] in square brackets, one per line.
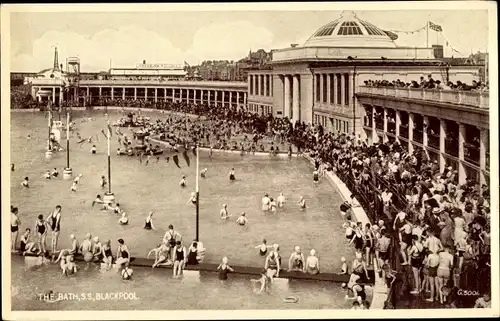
[144, 62]
[56, 60]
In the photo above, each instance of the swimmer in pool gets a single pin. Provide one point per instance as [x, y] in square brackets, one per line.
[265, 283]
[192, 199]
[124, 219]
[272, 205]
[12, 167]
[242, 220]
[55, 173]
[302, 203]
[182, 183]
[280, 200]
[224, 215]
[47, 175]
[103, 182]
[263, 248]
[148, 223]
[25, 183]
[127, 272]
[231, 175]
[73, 186]
[203, 173]
[93, 150]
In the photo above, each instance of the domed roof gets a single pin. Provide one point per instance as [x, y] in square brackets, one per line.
[350, 31]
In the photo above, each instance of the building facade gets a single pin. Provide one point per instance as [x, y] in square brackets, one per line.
[325, 82]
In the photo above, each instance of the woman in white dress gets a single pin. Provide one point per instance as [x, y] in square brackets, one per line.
[459, 221]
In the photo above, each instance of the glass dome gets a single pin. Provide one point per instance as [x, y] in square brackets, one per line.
[350, 31]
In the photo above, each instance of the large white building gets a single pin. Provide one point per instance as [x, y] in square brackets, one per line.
[323, 82]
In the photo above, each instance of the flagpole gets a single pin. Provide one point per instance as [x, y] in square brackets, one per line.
[427, 36]
[48, 152]
[67, 171]
[197, 194]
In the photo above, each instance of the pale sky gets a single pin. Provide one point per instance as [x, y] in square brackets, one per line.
[193, 36]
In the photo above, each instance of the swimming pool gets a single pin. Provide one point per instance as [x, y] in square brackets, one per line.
[140, 188]
[156, 290]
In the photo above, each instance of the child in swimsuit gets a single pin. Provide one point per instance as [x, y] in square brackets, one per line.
[242, 220]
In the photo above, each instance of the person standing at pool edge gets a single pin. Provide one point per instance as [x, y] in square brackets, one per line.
[14, 227]
[54, 221]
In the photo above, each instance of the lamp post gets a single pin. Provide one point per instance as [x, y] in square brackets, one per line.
[48, 152]
[197, 194]
[109, 197]
[67, 171]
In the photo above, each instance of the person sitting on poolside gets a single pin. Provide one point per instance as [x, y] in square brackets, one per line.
[312, 263]
[72, 251]
[162, 255]
[27, 247]
[296, 261]
[107, 255]
[124, 219]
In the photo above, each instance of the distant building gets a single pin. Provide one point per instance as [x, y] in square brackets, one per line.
[254, 61]
[148, 71]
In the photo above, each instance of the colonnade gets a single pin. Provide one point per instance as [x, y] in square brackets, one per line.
[443, 150]
[260, 85]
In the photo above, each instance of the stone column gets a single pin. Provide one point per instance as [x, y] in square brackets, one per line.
[286, 100]
[123, 93]
[266, 93]
[112, 93]
[462, 176]
[410, 132]
[321, 91]
[231, 99]
[386, 138]
[374, 127]
[100, 92]
[483, 141]
[424, 132]
[249, 81]
[238, 99]
[54, 95]
[61, 96]
[145, 94]
[342, 91]
[295, 99]
[135, 93]
[328, 89]
[156, 95]
[164, 94]
[223, 98]
[88, 91]
[442, 144]
[398, 123]
[335, 91]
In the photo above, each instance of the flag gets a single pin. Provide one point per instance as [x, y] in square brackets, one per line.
[176, 160]
[186, 157]
[110, 130]
[435, 27]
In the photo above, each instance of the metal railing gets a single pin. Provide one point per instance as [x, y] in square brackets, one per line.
[175, 83]
[466, 98]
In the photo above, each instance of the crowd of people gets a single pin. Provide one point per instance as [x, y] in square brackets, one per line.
[430, 235]
[430, 83]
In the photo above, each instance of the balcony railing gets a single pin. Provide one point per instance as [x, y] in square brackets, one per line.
[466, 98]
[451, 147]
[433, 141]
[418, 136]
[471, 154]
[403, 131]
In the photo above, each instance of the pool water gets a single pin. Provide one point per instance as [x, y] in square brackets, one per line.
[140, 188]
[156, 290]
